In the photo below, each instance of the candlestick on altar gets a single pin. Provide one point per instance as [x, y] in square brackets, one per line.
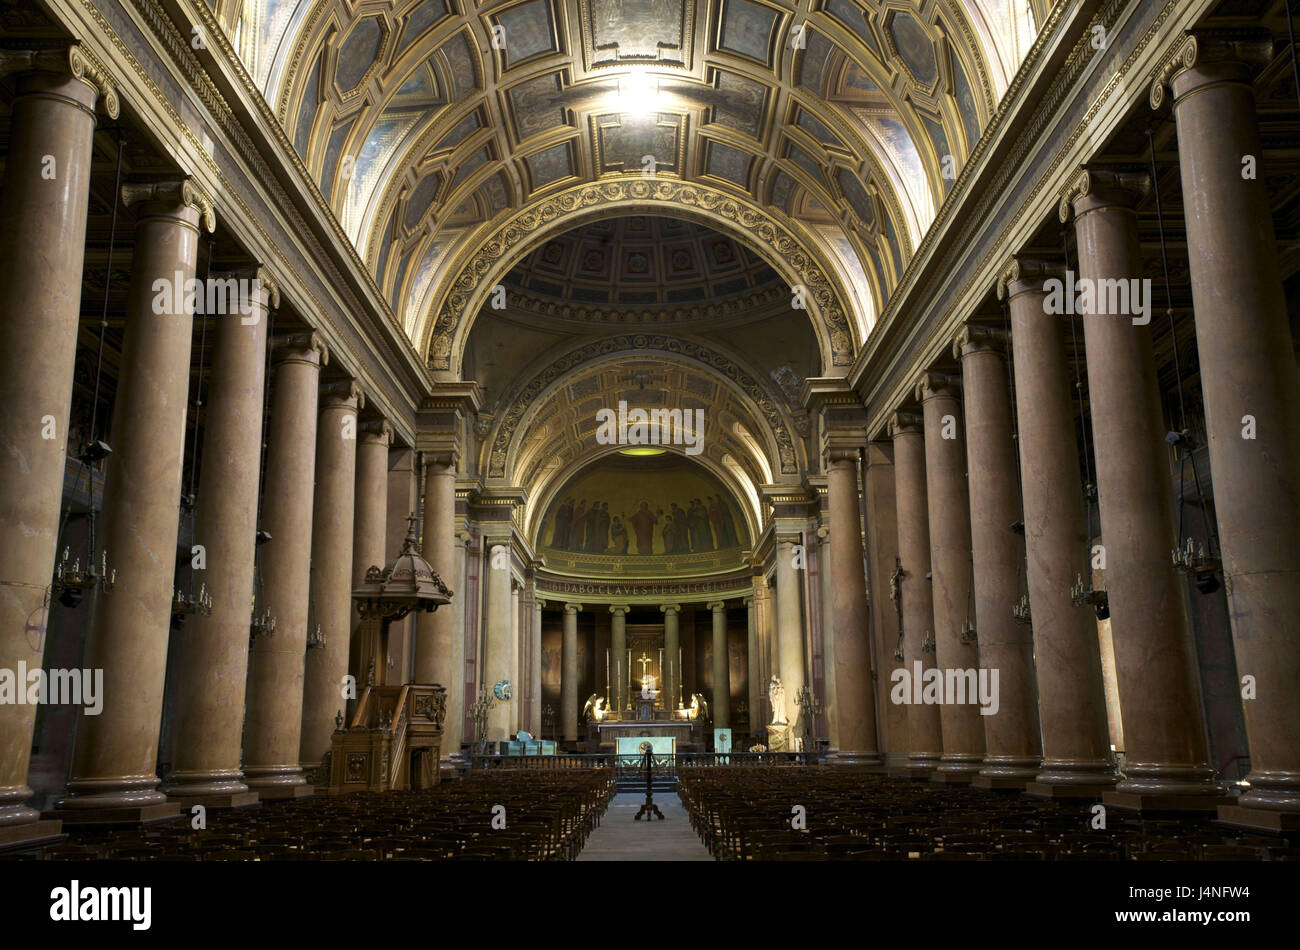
[607, 692]
[680, 703]
[629, 673]
[669, 697]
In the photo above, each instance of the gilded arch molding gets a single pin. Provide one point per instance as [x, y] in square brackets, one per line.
[688, 350]
[491, 257]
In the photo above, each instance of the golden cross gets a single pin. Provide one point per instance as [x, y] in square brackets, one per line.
[644, 661]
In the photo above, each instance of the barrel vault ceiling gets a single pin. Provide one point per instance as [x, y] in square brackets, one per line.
[428, 123]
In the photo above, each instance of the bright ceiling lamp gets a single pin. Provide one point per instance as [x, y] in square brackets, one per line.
[641, 451]
[637, 95]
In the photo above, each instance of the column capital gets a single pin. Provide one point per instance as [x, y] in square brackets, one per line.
[72, 60]
[180, 191]
[376, 432]
[572, 608]
[901, 423]
[928, 385]
[262, 279]
[296, 346]
[787, 539]
[1249, 49]
[670, 608]
[342, 393]
[978, 338]
[619, 608]
[823, 532]
[748, 601]
[447, 458]
[836, 455]
[1028, 273]
[1105, 186]
[717, 606]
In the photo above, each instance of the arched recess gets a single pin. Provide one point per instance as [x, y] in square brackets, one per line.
[784, 449]
[784, 244]
[540, 501]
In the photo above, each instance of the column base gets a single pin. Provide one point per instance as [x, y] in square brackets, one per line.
[863, 761]
[1259, 819]
[30, 835]
[1000, 782]
[1058, 792]
[277, 793]
[219, 801]
[1150, 803]
[112, 816]
[940, 777]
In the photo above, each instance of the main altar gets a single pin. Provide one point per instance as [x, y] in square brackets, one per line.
[645, 715]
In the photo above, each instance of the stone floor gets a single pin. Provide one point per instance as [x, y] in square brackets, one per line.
[621, 838]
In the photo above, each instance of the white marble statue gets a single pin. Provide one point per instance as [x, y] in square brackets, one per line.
[648, 686]
[776, 695]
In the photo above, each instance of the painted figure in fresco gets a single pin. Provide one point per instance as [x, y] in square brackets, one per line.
[577, 527]
[643, 523]
[727, 537]
[600, 539]
[715, 517]
[670, 535]
[681, 529]
[698, 521]
[617, 537]
[563, 521]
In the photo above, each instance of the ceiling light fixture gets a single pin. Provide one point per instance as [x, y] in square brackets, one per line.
[638, 94]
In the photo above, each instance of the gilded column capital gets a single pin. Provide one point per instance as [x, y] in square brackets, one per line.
[619, 608]
[1107, 185]
[377, 432]
[289, 346]
[73, 60]
[978, 337]
[717, 606]
[572, 608]
[342, 393]
[904, 422]
[748, 602]
[181, 191]
[936, 384]
[1252, 48]
[670, 608]
[1023, 269]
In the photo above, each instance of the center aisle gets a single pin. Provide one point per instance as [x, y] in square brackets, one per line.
[621, 838]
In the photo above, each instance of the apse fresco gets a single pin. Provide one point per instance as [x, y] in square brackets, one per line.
[659, 507]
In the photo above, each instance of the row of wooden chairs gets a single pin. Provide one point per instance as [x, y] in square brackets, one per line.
[828, 814]
[506, 815]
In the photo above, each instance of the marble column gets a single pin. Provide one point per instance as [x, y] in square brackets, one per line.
[721, 667]
[1077, 760]
[569, 674]
[751, 659]
[498, 637]
[275, 664]
[1012, 753]
[618, 647]
[535, 671]
[437, 644]
[855, 709]
[924, 738]
[211, 668]
[882, 552]
[825, 594]
[516, 656]
[1166, 762]
[370, 543]
[42, 245]
[116, 752]
[1252, 403]
[789, 632]
[671, 672]
[948, 502]
[332, 539]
